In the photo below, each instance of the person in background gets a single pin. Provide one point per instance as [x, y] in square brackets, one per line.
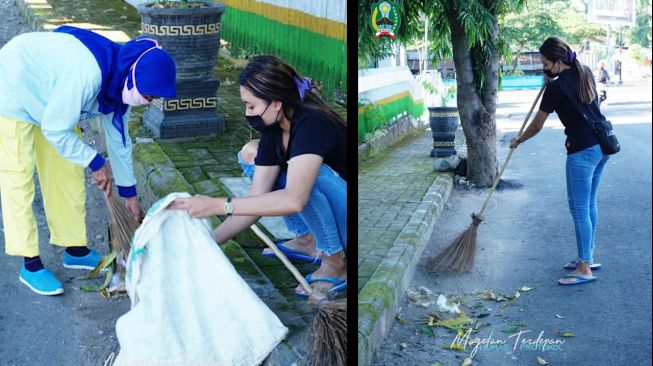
[603, 78]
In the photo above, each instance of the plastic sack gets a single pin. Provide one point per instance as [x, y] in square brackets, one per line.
[189, 306]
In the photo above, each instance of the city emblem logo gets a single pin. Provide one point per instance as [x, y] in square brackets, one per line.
[385, 19]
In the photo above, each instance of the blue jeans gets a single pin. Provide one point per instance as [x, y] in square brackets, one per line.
[584, 170]
[325, 213]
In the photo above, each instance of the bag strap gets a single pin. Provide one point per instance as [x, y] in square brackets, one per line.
[583, 110]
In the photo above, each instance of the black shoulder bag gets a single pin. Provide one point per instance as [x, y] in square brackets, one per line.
[600, 125]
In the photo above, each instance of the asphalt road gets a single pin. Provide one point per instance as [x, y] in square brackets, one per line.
[75, 328]
[528, 235]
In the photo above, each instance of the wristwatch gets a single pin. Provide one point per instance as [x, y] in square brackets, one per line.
[228, 207]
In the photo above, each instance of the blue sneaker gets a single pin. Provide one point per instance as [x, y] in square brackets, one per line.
[43, 282]
[89, 261]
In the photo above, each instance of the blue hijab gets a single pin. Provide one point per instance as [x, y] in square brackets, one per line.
[155, 71]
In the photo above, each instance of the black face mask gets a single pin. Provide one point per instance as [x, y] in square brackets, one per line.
[550, 74]
[256, 122]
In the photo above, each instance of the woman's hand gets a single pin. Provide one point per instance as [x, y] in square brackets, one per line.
[198, 206]
[514, 143]
[103, 179]
[131, 203]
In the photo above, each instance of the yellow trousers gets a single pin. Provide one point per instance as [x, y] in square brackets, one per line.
[22, 148]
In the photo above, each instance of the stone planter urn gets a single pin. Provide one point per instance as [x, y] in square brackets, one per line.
[192, 37]
[444, 122]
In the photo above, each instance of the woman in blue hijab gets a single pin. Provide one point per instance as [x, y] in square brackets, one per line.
[48, 83]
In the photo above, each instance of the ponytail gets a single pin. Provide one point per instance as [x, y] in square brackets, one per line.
[554, 49]
[314, 103]
[585, 84]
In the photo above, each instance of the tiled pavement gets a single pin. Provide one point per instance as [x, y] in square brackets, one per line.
[400, 197]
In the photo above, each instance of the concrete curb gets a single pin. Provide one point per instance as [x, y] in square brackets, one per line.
[37, 15]
[379, 298]
[386, 138]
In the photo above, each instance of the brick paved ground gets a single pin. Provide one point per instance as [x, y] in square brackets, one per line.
[389, 190]
[400, 197]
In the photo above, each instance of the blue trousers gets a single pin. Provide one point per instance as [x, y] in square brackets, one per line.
[325, 213]
[584, 170]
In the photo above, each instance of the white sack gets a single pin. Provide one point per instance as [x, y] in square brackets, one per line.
[189, 305]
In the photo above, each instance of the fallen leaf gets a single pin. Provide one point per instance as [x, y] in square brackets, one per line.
[432, 318]
[428, 330]
[106, 260]
[400, 318]
[524, 289]
[413, 296]
[559, 316]
[454, 323]
[565, 334]
[541, 361]
[425, 291]
[466, 362]
[511, 330]
[455, 347]
[504, 297]
[489, 295]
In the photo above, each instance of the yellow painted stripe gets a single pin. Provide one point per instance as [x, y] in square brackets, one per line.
[292, 17]
[391, 99]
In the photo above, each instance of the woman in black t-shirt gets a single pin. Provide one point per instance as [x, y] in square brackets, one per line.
[585, 160]
[298, 171]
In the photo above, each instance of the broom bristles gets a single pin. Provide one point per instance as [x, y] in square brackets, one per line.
[121, 229]
[459, 255]
[327, 335]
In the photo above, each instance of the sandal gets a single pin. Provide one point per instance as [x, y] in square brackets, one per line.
[338, 285]
[580, 279]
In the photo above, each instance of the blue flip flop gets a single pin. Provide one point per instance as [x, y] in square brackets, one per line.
[292, 254]
[339, 285]
[580, 279]
[573, 264]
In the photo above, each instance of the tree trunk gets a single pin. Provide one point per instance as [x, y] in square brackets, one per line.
[476, 115]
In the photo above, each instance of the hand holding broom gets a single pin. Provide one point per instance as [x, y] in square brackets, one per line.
[460, 254]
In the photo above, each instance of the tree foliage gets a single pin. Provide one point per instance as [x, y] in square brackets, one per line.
[468, 30]
[478, 18]
[641, 33]
[526, 31]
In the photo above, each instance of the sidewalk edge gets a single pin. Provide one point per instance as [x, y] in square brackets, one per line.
[379, 298]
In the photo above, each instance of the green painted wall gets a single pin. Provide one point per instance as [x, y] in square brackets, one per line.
[379, 114]
[314, 55]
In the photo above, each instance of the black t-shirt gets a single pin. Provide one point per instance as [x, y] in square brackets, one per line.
[580, 135]
[310, 133]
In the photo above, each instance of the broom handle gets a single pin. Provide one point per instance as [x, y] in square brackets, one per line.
[283, 258]
[505, 163]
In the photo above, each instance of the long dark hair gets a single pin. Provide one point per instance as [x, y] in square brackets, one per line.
[554, 49]
[270, 78]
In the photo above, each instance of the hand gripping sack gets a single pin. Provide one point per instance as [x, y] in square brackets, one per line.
[189, 306]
